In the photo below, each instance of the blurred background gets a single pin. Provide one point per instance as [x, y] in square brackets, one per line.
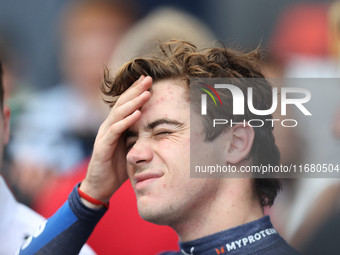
[53, 54]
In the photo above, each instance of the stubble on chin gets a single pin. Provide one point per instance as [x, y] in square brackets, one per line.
[157, 214]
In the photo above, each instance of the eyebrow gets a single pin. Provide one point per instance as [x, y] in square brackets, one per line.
[154, 124]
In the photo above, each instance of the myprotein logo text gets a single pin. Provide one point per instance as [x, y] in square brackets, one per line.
[247, 240]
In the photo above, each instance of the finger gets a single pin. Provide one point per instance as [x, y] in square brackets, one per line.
[126, 109]
[110, 140]
[135, 90]
[129, 107]
[141, 78]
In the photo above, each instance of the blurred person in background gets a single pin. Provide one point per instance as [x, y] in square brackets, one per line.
[334, 44]
[9, 66]
[160, 25]
[325, 240]
[57, 127]
[17, 92]
[17, 221]
[303, 44]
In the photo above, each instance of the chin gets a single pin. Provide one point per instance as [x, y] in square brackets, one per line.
[155, 215]
[153, 218]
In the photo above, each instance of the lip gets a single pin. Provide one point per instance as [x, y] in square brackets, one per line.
[144, 179]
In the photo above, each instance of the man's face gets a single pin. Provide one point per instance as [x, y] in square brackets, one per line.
[89, 41]
[159, 158]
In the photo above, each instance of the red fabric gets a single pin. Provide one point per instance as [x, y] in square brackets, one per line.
[121, 230]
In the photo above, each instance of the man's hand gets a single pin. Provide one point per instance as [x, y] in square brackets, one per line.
[107, 168]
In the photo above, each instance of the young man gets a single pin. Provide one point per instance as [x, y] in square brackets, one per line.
[17, 221]
[147, 138]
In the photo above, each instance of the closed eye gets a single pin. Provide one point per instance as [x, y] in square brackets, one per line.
[130, 142]
[129, 147]
[163, 133]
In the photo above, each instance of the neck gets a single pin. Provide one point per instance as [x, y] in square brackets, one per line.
[232, 205]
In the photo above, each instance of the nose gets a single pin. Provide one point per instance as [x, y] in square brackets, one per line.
[140, 154]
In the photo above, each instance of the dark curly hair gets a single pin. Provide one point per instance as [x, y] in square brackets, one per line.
[182, 60]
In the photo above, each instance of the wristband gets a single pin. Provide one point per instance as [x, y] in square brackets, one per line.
[91, 199]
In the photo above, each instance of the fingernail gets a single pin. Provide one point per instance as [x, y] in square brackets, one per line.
[141, 78]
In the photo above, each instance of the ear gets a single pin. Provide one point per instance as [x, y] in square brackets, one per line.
[6, 114]
[242, 138]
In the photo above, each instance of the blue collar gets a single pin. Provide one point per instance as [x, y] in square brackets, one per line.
[243, 239]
